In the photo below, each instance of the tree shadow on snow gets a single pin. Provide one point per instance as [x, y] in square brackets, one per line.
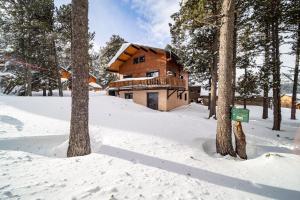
[50, 145]
[201, 174]
[12, 121]
[253, 150]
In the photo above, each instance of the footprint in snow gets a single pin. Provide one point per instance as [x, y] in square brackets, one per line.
[114, 190]
[5, 186]
[113, 198]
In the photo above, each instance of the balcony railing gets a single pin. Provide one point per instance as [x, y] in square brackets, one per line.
[157, 82]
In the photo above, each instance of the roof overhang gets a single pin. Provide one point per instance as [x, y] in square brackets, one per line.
[125, 52]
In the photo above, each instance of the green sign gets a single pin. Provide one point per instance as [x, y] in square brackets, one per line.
[240, 114]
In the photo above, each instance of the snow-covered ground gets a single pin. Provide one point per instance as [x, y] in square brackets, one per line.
[140, 153]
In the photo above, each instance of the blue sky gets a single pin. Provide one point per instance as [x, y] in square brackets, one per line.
[137, 21]
[141, 21]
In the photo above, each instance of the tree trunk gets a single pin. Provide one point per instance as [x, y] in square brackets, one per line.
[59, 84]
[240, 140]
[245, 103]
[245, 97]
[209, 94]
[234, 60]
[223, 138]
[265, 70]
[79, 141]
[50, 92]
[53, 54]
[276, 66]
[28, 80]
[296, 73]
[214, 68]
[44, 91]
[213, 89]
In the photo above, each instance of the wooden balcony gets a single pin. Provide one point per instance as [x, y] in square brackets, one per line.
[150, 83]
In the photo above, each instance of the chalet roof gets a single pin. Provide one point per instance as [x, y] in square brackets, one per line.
[69, 69]
[290, 95]
[127, 50]
[95, 85]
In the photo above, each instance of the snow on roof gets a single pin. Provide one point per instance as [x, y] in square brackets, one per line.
[121, 50]
[7, 74]
[64, 79]
[66, 69]
[93, 76]
[126, 45]
[204, 92]
[94, 85]
[290, 95]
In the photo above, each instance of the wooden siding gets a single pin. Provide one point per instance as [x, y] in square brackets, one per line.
[158, 82]
[153, 62]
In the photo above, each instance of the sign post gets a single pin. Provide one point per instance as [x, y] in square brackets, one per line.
[240, 115]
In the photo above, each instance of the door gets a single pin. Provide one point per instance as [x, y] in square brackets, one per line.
[152, 100]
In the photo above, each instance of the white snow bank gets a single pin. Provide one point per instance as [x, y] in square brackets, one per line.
[140, 153]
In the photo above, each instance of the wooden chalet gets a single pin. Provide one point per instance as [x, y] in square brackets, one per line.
[286, 101]
[66, 74]
[150, 76]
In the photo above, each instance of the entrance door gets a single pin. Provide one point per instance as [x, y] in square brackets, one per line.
[152, 100]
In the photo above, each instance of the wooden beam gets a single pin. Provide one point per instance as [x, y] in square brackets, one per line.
[128, 54]
[135, 47]
[152, 51]
[144, 49]
[180, 93]
[111, 70]
[170, 93]
[121, 60]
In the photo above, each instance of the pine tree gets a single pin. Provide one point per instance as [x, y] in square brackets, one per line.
[276, 10]
[27, 24]
[195, 35]
[292, 21]
[224, 128]
[262, 17]
[79, 141]
[106, 54]
[247, 85]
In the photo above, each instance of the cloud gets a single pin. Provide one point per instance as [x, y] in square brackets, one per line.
[154, 17]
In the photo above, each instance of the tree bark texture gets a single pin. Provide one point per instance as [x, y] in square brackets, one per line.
[223, 138]
[53, 54]
[296, 73]
[276, 66]
[240, 140]
[234, 60]
[213, 88]
[209, 94]
[265, 70]
[214, 68]
[79, 141]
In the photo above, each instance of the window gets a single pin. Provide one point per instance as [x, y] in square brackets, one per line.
[185, 96]
[128, 96]
[142, 59]
[180, 96]
[198, 91]
[127, 76]
[138, 59]
[152, 74]
[135, 60]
